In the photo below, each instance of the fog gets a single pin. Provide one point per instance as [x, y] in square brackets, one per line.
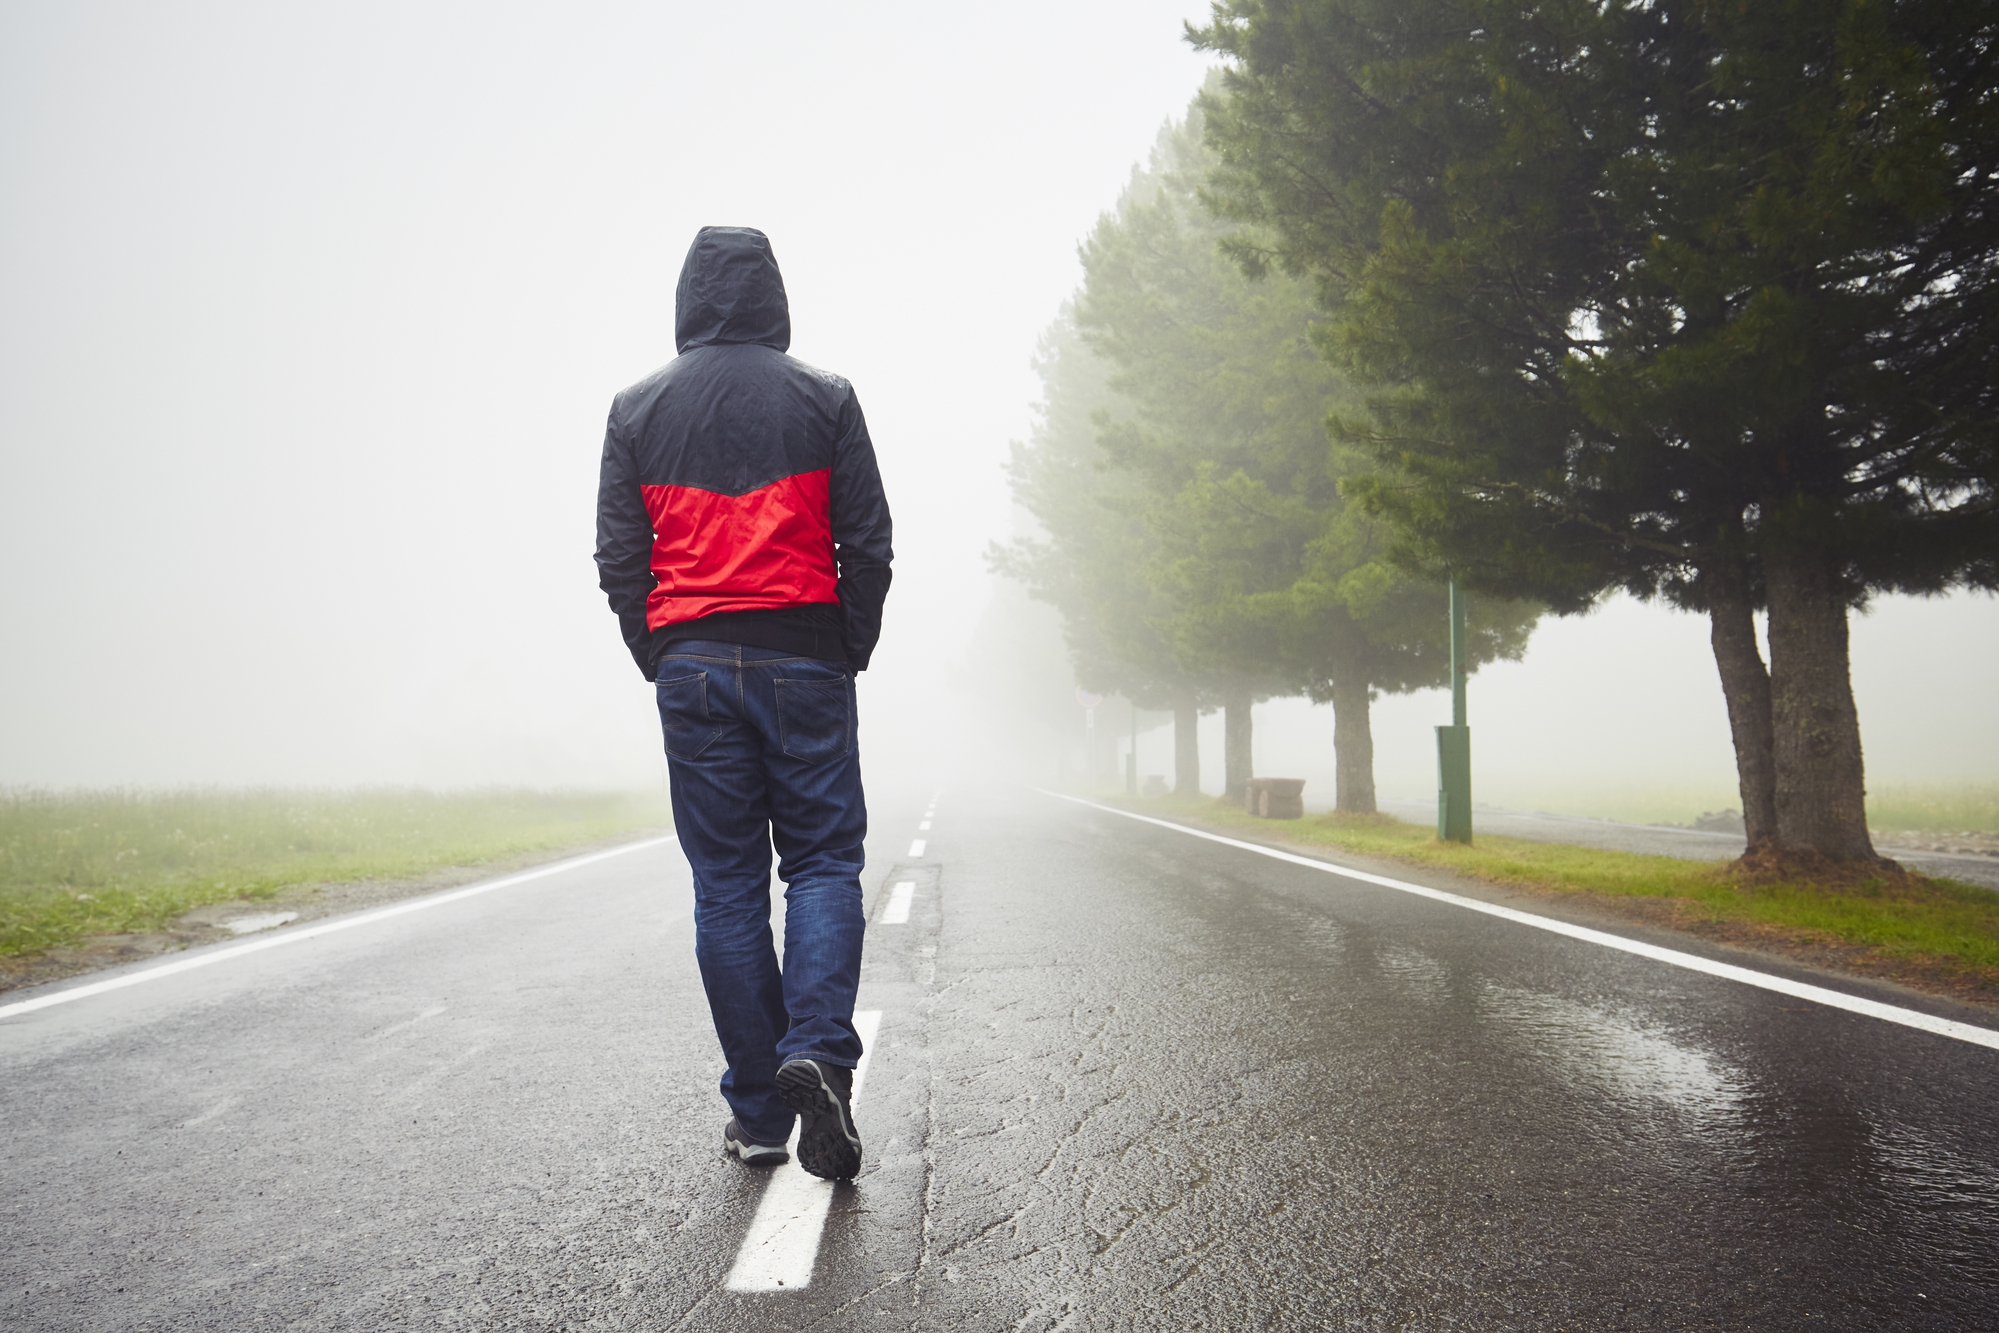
[1619, 714]
[311, 317]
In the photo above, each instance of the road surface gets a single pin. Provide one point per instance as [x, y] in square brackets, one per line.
[1124, 1078]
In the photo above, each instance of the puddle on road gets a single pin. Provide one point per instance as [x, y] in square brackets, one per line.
[1933, 1193]
[1618, 1055]
[1588, 1045]
[247, 925]
[1739, 1123]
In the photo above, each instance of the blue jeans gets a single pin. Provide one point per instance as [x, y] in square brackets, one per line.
[761, 750]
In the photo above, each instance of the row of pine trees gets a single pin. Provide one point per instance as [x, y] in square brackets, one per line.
[1697, 302]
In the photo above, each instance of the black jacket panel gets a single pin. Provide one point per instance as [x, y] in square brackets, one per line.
[738, 481]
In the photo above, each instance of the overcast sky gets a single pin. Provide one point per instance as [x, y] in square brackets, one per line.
[310, 315]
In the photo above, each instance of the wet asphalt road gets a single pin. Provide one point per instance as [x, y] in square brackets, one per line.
[1125, 1079]
[1661, 840]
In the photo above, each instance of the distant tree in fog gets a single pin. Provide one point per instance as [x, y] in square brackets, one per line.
[1261, 573]
[1095, 553]
[1694, 299]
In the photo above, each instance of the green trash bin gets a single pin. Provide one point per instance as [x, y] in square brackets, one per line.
[1454, 784]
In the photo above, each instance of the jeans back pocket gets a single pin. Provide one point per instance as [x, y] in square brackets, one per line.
[815, 718]
[683, 715]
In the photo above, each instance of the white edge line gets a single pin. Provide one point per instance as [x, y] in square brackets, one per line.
[311, 932]
[1890, 1013]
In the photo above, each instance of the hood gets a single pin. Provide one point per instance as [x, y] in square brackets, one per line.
[731, 292]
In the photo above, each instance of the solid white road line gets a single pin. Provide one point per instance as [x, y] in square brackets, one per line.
[916, 848]
[313, 932]
[783, 1240]
[1888, 1013]
[897, 911]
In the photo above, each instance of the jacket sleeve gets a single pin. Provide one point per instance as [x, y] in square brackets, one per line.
[624, 545]
[860, 534]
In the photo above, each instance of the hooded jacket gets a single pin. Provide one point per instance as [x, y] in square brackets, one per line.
[738, 497]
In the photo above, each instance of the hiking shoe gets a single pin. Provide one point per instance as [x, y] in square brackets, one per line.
[737, 1144]
[828, 1144]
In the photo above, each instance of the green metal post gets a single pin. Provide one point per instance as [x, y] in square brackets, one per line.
[1454, 741]
[1458, 650]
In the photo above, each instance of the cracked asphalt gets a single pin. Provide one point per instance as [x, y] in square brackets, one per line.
[1125, 1079]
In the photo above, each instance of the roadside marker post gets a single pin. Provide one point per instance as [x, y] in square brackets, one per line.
[1131, 760]
[1089, 701]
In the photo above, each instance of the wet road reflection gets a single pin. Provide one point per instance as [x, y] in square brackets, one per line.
[1307, 1093]
[1614, 1053]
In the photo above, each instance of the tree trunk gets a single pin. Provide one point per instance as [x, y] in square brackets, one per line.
[1353, 745]
[1745, 687]
[1186, 746]
[1235, 743]
[1821, 787]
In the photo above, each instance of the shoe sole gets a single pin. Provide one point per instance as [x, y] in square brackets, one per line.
[828, 1145]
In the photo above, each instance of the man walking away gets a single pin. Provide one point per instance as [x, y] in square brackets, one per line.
[743, 540]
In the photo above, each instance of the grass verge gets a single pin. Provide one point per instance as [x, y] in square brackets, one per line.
[1948, 929]
[74, 864]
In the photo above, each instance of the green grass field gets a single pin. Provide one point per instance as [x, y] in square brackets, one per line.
[1635, 804]
[1968, 807]
[99, 862]
[1928, 918]
[1952, 807]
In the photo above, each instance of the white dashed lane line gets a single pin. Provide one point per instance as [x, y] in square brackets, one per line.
[897, 911]
[783, 1240]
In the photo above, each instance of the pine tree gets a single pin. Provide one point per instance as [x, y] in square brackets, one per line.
[1273, 581]
[1696, 299]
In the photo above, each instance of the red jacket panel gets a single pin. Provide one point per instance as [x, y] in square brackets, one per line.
[771, 547]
